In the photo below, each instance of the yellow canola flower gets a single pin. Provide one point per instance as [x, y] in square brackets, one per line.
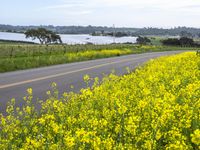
[155, 107]
[69, 142]
[30, 91]
[196, 137]
[86, 78]
[55, 127]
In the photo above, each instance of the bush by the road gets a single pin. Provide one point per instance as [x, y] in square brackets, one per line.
[143, 40]
[183, 41]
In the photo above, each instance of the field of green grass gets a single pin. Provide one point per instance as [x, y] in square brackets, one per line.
[17, 56]
[156, 40]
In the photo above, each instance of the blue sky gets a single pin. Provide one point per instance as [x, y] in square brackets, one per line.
[122, 13]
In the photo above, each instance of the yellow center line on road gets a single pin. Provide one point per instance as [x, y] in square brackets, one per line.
[66, 73]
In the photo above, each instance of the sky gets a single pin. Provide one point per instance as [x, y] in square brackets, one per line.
[122, 13]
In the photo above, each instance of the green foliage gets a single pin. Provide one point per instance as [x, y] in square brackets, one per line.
[43, 35]
[183, 41]
[198, 53]
[171, 41]
[143, 40]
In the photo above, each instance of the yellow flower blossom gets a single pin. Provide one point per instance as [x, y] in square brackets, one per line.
[155, 107]
[196, 137]
[30, 91]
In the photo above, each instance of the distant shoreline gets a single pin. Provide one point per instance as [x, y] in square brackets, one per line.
[70, 39]
[176, 31]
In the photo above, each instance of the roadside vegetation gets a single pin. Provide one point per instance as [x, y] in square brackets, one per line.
[183, 42]
[23, 56]
[124, 112]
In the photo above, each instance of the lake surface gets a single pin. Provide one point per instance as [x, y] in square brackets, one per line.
[72, 38]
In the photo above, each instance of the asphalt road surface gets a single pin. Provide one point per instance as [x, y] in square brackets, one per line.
[15, 84]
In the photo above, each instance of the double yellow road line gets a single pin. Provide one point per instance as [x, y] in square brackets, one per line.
[66, 73]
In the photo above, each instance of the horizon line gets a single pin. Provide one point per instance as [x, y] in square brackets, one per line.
[173, 27]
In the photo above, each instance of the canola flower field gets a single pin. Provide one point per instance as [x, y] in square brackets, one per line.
[155, 107]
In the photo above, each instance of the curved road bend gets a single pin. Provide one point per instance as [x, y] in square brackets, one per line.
[15, 84]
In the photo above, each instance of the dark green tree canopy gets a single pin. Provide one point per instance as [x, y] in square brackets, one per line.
[143, 40]
[183, 41]
[43, 35]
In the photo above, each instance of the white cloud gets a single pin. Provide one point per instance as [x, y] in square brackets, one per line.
[138, 13]
[61, 6]
[84, 12]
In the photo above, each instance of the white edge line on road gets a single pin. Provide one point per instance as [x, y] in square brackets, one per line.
[65, 73]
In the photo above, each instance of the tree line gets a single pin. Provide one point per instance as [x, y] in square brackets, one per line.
[47, 37]
[178, 31]
[183, 41]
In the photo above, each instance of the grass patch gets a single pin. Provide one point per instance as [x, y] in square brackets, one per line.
[17, 57]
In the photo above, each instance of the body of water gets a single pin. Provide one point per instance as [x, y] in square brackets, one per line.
[72, 38]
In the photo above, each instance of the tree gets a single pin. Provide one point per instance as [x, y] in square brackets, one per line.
[43, 35]
[143, 40]
[198, 35]
[183, 41]
[171, 41]
[186, 34]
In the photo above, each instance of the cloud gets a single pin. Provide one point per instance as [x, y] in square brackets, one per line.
[62, 6]
[192, 6]
[84, 12]
[124, 12]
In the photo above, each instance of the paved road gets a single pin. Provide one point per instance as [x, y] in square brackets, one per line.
[14, 84]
